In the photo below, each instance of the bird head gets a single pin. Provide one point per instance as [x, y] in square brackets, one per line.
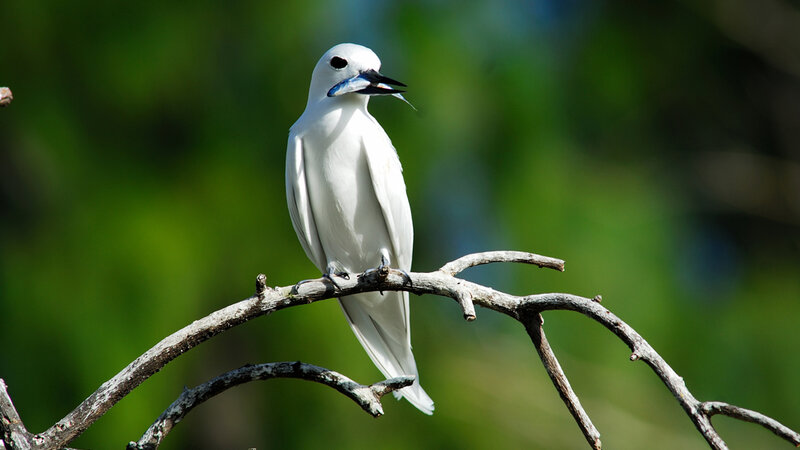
[347, 70]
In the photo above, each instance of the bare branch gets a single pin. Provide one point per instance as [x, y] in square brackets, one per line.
[475, 259]
[533, 325]
[524, 309]
[368, 397]
[11, 426]
[5, 96]
[641, 351]
[711, 408]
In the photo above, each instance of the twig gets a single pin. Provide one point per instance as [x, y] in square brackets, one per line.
[711, 408]
[5, 96]
[533, 325]
[440, 282]
[475, 259]
[368, 397]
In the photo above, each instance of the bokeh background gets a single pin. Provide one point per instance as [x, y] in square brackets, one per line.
[655, 146]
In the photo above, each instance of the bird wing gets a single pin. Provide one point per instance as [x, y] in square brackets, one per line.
[299, 205]
[380, 321]
[386, 174]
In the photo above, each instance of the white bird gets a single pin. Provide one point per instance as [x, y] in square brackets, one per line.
[348, 202]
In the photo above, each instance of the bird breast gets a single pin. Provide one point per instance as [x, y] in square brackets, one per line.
[350, 223]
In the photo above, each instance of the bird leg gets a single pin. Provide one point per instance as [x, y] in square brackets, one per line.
[329, 273]
[332, 271]
[383, 271]
[295, 288]
[384, 267]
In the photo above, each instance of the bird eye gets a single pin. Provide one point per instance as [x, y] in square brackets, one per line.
[338, 63]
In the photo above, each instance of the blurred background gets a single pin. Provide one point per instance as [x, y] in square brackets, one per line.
[655, 147]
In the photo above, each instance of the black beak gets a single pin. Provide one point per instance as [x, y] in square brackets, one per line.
[368, 82]
[376, 79]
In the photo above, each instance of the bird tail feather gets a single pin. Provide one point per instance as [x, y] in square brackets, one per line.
[374, 319]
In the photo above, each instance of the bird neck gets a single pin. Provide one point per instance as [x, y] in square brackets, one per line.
[348, 101]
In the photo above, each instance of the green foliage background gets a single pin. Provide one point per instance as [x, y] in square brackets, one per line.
[654, 147]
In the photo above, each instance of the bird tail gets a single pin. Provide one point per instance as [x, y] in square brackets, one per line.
[381, 324]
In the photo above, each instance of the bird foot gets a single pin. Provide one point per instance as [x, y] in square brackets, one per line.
[383, 271]
[331, 272]
[328, 276]
[296, 287]
[406, 277]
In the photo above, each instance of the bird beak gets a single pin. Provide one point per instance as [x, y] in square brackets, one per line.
[368, 82]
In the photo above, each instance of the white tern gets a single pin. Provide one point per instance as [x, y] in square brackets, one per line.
[348, 202]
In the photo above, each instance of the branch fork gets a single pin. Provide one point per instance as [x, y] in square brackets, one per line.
[367, 397]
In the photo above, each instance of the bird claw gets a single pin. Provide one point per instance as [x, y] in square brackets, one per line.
[296, 287]
[383, 272]
[382, 269]
[329, 277]
[332, 272]
[406, 277]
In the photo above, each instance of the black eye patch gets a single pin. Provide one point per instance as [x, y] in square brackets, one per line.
[338, 63]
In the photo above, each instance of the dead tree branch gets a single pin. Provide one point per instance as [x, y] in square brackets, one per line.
[711, 408]
[534, 327]
[11, 428]
[527, 310]
[368, 397]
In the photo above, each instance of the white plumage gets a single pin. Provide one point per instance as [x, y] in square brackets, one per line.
[348, 203]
